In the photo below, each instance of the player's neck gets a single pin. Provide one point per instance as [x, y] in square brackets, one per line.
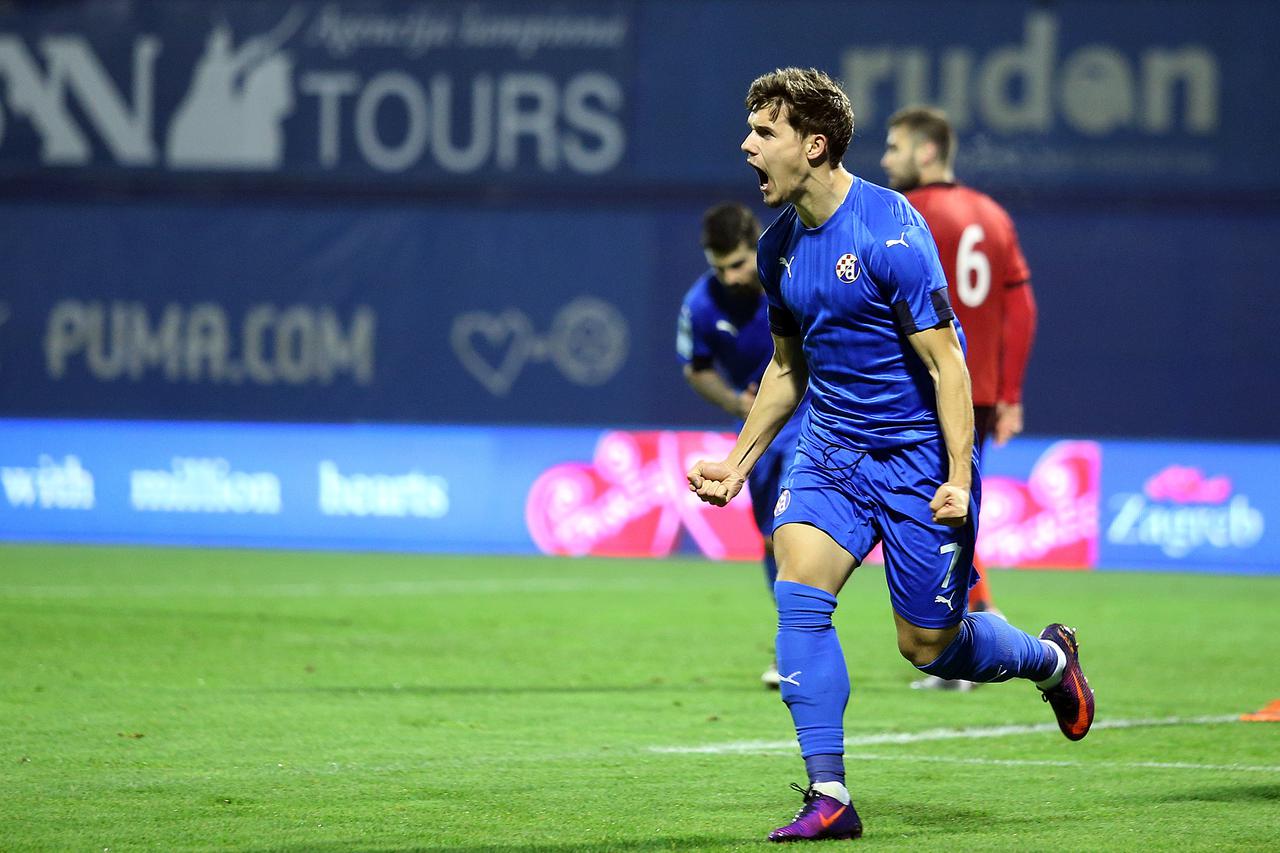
[936, 176]
[824, 191]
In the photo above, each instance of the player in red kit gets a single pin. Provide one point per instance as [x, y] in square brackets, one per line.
[987, 277]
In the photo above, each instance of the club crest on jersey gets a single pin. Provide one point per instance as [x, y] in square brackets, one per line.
[784, 501]
[848, 269]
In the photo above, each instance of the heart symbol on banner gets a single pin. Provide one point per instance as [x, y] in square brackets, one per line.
[493, 348]
[614, 506]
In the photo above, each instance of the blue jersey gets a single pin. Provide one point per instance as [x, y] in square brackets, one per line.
[724, 331]
[855, 287]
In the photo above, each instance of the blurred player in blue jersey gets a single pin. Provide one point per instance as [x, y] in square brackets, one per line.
[859, 315]
[724, 343]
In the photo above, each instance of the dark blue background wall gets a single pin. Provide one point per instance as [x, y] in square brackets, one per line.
[488, 212]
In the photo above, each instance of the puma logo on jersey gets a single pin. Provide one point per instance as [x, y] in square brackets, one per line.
[786, 262]
[901, 241]
[938, 599]
[726, 326]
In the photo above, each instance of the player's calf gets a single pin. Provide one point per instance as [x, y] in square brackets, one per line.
[814, 679]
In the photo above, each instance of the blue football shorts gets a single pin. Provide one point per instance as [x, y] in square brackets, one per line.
[859, 498]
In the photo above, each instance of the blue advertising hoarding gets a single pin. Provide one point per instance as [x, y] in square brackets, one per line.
[335, 312]
[1201, 506]
[288, 485]
[487, 212]
[430, 92]
[1046, 504]
[246, 312]
[437, 93]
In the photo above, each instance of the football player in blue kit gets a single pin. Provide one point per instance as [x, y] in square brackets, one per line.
[859, 316]
[724, 344]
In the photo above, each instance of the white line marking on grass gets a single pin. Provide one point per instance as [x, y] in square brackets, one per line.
[759, 746]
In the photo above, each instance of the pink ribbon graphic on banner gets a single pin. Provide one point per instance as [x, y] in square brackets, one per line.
[1181, 484]
[632, 500]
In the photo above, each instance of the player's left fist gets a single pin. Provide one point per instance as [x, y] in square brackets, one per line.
[950, 505]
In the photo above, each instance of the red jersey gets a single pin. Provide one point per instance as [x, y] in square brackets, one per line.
[989, 285]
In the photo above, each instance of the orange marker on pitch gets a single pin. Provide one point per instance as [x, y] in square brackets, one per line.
[1269, 714]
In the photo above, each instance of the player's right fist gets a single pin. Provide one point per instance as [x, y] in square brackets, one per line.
[950, 505]
[715, 483]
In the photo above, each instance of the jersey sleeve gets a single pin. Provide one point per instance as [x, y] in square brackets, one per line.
[692, 343]
[911, 279]
[1018, 326]
[1017, 333]
[781, 321]
[1016, 271]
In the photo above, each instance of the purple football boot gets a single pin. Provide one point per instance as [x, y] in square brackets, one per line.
[820, 817]
[1072, 698]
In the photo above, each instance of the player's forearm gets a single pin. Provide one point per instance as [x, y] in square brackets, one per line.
[939, 349]
[711, 387]
[955, 414]
[781, 390]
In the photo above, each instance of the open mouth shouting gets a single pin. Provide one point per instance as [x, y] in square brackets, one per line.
[762, 176]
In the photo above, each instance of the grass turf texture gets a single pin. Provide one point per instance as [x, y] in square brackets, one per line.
[213, 700]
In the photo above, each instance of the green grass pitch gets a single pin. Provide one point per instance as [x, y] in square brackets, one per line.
[166, 699]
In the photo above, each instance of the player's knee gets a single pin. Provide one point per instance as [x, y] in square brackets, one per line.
[918, 654]
[809, 576]
[922, 646]
[797, 568]
[808, 556]
[820, 575]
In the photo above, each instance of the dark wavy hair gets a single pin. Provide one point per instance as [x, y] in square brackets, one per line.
[727, 226]
[815, 104]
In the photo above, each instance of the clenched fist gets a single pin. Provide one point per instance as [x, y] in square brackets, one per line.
[950, 505]
[715, 483]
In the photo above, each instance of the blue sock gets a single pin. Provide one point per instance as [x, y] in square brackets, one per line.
[825, 767]
[815, 682]
[987, 648]
[770, 570]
